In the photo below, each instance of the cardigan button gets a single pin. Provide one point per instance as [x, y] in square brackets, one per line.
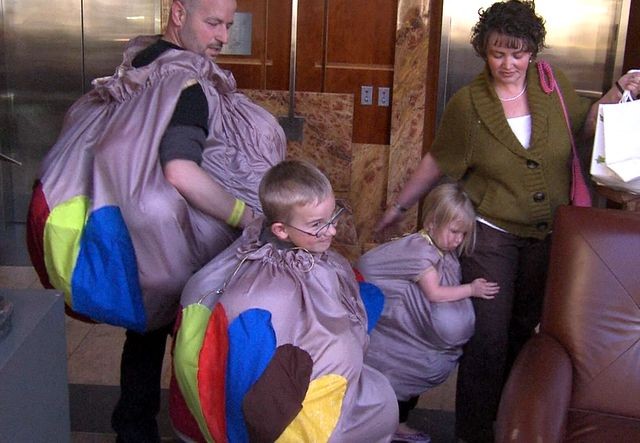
[538, 197]
[542, 226]
[532, 164]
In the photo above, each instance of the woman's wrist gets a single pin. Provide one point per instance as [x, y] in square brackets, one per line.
[399, 207]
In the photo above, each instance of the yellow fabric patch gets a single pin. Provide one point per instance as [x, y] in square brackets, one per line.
[62, 234]
[189, 340]
[320, 411]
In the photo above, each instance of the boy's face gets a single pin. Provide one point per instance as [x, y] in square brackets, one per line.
[307, 220]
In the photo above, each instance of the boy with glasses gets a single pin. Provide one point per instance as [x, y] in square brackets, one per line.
[272, 335]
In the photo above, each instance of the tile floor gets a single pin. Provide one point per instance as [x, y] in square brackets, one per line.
[93, 359]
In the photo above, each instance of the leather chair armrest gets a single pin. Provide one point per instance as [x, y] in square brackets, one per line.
[534, 402]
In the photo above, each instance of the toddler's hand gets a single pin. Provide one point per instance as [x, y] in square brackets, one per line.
[482, 288]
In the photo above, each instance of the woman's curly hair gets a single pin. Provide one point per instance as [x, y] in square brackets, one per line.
[515, 19]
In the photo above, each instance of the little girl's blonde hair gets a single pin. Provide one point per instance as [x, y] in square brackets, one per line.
[447, 203]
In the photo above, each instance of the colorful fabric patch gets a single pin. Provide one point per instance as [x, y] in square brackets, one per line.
[358, 275]
[252, 344]
[211, 376]
[373, 300]
[321, 410]
[36, 221]
[181, 418]
[62, 234]
[105, 285]
[283, 387]
[188, 342]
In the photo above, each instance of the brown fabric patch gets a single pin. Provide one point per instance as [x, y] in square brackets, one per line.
[276, 398]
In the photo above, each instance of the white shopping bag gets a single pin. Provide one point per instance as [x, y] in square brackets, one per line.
[616, 147]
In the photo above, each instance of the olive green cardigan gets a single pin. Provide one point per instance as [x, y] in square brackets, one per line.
[512, 187]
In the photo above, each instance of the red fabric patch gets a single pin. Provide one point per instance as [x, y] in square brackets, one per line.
[36, 219]
[212, 364]
[180, 415]
[359, 277]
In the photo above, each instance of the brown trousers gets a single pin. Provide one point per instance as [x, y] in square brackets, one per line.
[503, 324]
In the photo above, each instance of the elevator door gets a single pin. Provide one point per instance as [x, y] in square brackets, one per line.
[585, 38]
[49, 53]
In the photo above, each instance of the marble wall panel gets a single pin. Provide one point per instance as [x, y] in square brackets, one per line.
[409, 86]
[326, 142]
[369, 174]
[327, 130]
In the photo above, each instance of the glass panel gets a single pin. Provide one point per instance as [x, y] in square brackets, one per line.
[41, 50]
[43, 72]
[108, 25]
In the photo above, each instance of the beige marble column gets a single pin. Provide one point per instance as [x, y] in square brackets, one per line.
[409, 85]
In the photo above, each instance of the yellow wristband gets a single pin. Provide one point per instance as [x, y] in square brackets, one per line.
[236, 213]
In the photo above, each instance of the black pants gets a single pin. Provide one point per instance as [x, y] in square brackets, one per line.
[406, 406]
[134, 417]
[503, 324]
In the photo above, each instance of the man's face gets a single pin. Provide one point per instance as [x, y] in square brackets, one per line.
[205, 26]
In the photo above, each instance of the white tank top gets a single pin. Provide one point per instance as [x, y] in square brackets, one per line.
[521, 127]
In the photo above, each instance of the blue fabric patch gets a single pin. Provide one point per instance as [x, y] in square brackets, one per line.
[105, 283]
[252, 345]
[373, 300]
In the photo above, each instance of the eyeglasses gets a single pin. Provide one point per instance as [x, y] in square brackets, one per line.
[322, 230]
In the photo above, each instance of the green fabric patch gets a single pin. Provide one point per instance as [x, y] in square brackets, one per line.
[188, 342]
[62, 234]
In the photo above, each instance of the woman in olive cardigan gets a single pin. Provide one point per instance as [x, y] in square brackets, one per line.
[506, 141]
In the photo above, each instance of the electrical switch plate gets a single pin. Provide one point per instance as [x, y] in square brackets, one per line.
[366, 95]
[383, 96]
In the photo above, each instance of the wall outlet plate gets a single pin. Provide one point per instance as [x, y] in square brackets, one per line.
[366, 95]
[383, 96]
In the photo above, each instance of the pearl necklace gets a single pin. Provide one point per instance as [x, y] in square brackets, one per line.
[515, 97]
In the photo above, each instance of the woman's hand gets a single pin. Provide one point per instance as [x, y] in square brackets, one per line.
[391, 216]
[631, 82]
[422, 179]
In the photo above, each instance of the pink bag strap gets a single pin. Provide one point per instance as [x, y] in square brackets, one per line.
[580, 195]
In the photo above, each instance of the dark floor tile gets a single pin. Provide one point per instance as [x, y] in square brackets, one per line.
[90, 408]
[440, 425]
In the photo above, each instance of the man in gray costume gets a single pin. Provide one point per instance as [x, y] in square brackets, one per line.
[175, 154]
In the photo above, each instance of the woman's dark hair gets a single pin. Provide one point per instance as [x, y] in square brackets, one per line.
[515, 19]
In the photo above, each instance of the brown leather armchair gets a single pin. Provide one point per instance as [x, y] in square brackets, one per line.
[578, 380]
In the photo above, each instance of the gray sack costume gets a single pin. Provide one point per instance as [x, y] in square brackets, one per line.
[105, 226]
[270, 347]
[416, 343]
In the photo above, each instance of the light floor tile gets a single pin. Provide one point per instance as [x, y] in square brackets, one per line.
[441, 397]
[18, 277]
[95, 352]
[96, 359]
[166, 366]
[76, 332]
